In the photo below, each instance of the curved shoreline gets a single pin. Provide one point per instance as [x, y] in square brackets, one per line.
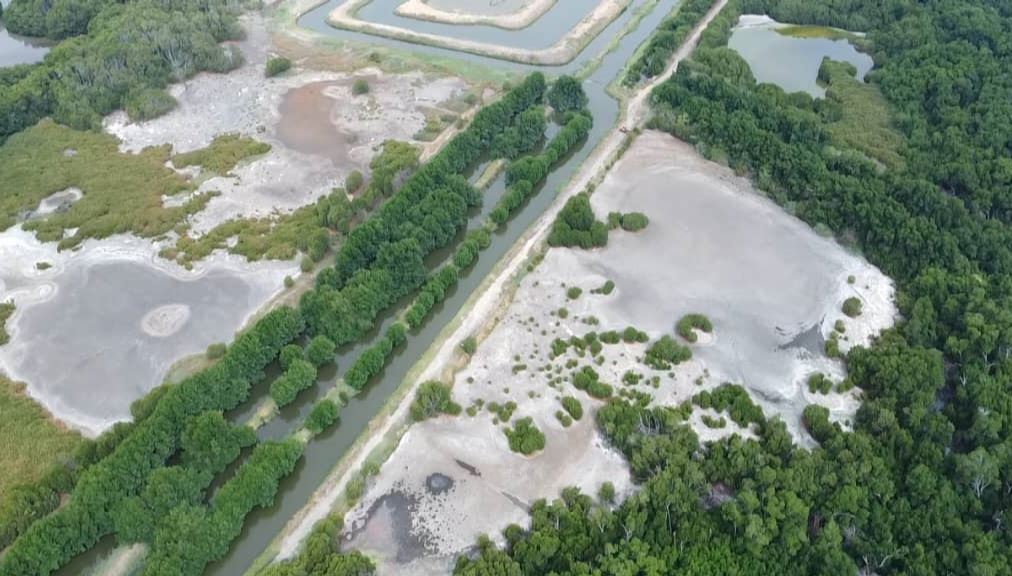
[420, 10]
[560, 53]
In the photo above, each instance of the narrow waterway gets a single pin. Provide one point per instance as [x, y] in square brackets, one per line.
[324, 451]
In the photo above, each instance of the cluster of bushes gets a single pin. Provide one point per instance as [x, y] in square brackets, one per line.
[432, 293]
[277, 65]
[588, 380]
[654, 57]
[190, 537]
[372, 361]
[298, 376]
[325, 413]
[525, 437]
[209, 444]
[572, 407]
[522, 137]
[566, 94]
[733, 399]
[525, 174]
[576, 225]
[467, 254]
[433, 397]
[820, 383]
[605, 288]
[52, 541]
[630, 221]
[689, 323]
[665, 353]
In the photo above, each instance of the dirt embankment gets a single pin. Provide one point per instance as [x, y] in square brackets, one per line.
[519, 19]
[562, 52]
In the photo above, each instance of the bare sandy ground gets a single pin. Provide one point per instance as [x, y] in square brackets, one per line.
[526, 12]
[559, 53]
[272, 110]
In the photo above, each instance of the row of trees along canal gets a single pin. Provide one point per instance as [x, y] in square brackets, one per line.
[132, 493]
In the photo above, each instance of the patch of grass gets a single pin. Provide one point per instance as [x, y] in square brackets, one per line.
[30, 441]
[858, 115]
[224, 153]
[122, 192]
[6, 311]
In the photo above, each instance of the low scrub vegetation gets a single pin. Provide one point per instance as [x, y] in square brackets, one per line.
[525, 437]
[277, 65]
[665, 353]
[223, 154]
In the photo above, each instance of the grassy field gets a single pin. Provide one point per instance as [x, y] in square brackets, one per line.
[122, 192]
[30, 441]
[864, 121]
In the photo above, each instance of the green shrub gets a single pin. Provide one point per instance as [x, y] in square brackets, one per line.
[525, 437]
[320, 350]
[573, 292]
[433, 397]
[631, 335]
[820, 383]
[354, 181]
[299, 375]
[325, 413]
[276, 66]
[573, 407]
[606, 493]
[605, 288]
[689, 323]
[577, 226]
[563, 418]
[469, 345]
[852, 307]
[360, 87]
[733, 399]
[665, 353]
[634, 221]
[289, 354]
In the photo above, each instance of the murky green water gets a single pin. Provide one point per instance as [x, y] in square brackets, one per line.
[792, 63]
[321, 455]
